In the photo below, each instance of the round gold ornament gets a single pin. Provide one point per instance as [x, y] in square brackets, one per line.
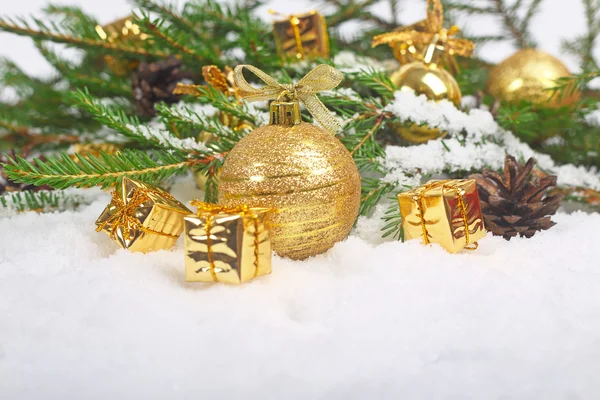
[528, 75]
[434, 82]
[301, 171]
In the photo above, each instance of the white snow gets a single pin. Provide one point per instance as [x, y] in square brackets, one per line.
[370, 319]
[82, 319]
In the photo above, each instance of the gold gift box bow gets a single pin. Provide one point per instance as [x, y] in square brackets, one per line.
[446, 212]
[142, 217]
[227, 244]
[302, 35]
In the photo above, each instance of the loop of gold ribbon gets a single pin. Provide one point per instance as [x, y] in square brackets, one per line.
[123, 216]
[461, 204]
[430, 31]
[323, 77]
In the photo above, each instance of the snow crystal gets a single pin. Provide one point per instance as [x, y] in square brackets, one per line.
[80, 318]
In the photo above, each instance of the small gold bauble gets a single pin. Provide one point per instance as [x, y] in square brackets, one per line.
[428, 79]
[436, 84]
[527, 75]
[305, 174]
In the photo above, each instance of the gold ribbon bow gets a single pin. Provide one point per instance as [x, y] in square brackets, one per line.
[461, 204]
[430, 31]
[323, 77]
[124, 215]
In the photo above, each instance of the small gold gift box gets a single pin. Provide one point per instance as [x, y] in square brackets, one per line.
[303, 35]
[227, 244]
[440, 211]
[124, 30]
[142, 217]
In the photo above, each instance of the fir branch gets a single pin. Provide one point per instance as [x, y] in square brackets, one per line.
[583, 46]
[22, 28]
[393, 221]
[100, 85]
[174, 40]
[168, 12]
[372, 191]
[131, 127]
[62, 171]
[43, 200]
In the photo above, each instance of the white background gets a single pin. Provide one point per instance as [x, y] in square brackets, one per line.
[557, 19]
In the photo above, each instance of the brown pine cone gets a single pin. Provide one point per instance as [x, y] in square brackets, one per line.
[154, 82]
[519, 202]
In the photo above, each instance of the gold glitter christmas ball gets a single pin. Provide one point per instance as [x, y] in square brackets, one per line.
[306, 175]
[527, 75]
[436, 84]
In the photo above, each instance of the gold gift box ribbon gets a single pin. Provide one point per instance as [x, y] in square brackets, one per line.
[125, 214]
[423, 204]
[209, 211]
[461, 204]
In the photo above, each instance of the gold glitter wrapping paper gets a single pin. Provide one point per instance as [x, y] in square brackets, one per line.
[436, 213]
[302, 36]
[227, 245]
[302, 172]
[527, 75]
[152, 222]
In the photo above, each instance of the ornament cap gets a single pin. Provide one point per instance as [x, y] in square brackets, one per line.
[285, 112]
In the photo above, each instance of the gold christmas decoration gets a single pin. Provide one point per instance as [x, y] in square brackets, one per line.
[529, 74]
[227, 244]
[302, 36]
[142, 217]
[299, 170]
[122, 30]
[445, 212]
[428, 48]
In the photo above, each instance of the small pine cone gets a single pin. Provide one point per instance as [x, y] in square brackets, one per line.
[154, 82]
[519, 202]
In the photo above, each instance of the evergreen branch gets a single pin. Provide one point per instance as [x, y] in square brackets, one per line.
[168, 12]
[372, 191]
[43, 33]
[102, 86]
[393, 221]
[43, 200]
[62, 171]
[154, 28]
[131, 128]
[509, 18]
